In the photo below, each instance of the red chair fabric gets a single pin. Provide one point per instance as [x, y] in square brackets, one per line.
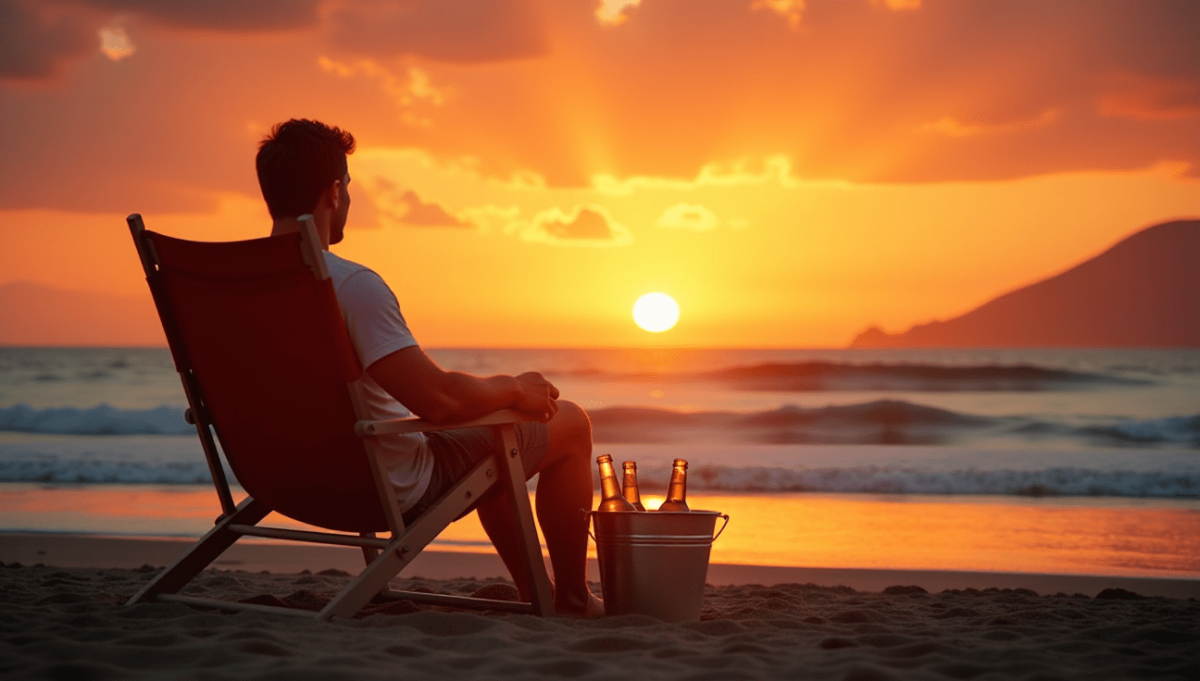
[268, 347]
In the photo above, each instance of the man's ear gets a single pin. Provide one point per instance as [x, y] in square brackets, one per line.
[334, 194]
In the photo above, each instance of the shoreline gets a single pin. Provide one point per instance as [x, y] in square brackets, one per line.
[106, 552]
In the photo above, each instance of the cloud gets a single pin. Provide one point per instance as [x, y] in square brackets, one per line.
[792, 10]
[415, 87]
[220, 15]
[583, 226]
[689, 216]
[685, 95]
[745, 172]
[1151, 99]
[37, 43]
[455, 31]
[898, 5]
[39, 39]
[954, 128]
[115, 44]
[408, 208]
[615, 12]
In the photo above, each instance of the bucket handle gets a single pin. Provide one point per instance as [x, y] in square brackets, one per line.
[588, 514]
[723, 526]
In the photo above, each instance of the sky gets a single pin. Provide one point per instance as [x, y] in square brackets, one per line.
[790, 171]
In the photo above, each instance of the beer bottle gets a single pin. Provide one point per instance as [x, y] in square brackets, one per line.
[610, 489]
[630, 487]
[677, 492]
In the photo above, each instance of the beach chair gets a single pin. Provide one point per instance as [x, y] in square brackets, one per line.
[265, 359]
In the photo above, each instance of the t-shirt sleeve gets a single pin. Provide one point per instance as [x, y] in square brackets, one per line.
[373, 318]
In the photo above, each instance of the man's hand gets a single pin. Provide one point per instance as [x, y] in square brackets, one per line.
[537, 396]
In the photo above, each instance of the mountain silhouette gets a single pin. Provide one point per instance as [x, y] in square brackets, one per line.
[1142, 292]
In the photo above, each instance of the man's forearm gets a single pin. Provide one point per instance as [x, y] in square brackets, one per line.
[442, 396]
[468, 397]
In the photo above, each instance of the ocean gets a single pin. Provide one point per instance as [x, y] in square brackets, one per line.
[844, 453]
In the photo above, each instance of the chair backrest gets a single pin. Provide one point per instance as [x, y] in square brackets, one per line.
[259, 329]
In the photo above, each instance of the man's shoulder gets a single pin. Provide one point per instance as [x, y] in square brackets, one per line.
[341, 269]
[352, 281]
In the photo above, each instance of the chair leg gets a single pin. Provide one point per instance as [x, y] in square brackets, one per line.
[375, 577]
[203, 552]
[369, 553]
[535, 565]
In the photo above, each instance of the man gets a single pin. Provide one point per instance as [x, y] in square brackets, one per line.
[302, 169]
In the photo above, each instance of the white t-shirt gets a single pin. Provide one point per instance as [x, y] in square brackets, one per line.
[377, 329]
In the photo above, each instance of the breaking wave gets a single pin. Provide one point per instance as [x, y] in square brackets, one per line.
[818, 376]
[891, 422]
[888, 422]
[100, 420]
[889, 480]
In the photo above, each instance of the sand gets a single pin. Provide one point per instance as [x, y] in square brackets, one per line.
[66, 621]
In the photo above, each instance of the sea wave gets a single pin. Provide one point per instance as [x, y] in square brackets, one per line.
[53, 470]
[819, 376]
[1061, 481]
[824, 376]
[896, 480]
[889, 422]
[99, 420]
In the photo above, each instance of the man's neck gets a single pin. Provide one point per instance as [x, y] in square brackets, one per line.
[292, 225]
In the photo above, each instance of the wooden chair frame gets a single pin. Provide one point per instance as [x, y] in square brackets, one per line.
[384, 557]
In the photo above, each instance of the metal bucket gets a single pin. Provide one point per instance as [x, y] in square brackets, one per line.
[655, 563]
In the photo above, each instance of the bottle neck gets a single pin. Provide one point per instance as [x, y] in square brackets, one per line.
[678, 488]
[608, 481]
[630, 489]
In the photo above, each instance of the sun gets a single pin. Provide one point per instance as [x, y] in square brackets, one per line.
[656, 312]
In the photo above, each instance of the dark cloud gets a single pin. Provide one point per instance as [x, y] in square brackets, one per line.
[856, 93]
[955, 91]
[458, 31]
[408, 208]
[36, 44]
[220, 15]
[39, 39]
[427, 214]
[588, 224]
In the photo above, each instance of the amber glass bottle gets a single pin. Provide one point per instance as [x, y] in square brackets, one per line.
[610, 489]
[630, 486]
[677, 492]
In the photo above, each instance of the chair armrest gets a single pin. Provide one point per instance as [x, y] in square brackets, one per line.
[417, 425]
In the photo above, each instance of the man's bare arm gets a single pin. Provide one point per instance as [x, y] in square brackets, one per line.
[441, 396]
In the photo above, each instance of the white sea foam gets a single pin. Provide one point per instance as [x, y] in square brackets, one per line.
[169, 460]
[100, 420]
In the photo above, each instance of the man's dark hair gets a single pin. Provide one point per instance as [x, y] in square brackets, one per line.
[297, 161]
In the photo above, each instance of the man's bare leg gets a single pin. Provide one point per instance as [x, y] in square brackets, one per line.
[564, 488]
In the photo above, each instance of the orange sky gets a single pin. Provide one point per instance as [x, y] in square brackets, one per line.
[790, 171]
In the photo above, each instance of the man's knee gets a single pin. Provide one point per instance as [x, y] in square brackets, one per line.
[571, 428]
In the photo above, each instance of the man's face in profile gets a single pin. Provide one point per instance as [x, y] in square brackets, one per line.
[337, 225]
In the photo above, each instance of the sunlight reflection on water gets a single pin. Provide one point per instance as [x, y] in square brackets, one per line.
[1135, 537]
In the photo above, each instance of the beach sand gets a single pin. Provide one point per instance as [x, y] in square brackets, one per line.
[63, 618]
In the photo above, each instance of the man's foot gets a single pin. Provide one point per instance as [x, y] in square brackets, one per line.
[589, 609]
